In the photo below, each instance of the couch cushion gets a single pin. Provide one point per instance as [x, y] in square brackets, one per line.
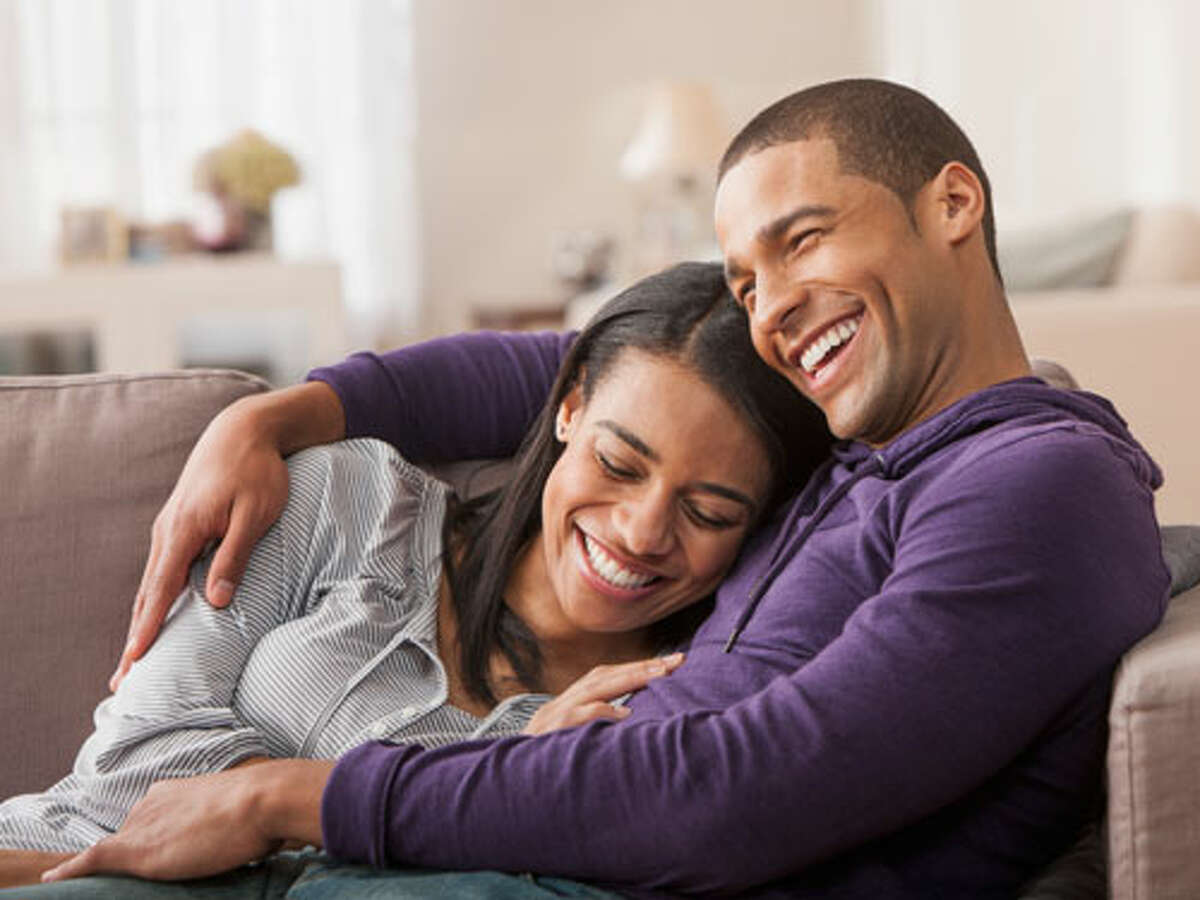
[86, 463]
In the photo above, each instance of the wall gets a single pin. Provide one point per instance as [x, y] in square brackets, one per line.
[524, 107]
[1075, 106]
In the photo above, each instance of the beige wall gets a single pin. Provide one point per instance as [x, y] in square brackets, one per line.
[526, 105]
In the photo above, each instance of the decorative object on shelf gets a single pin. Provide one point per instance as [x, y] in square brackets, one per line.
[581, 259]
[236, 181]
[671, 163]
[155, 242]
[92, 234]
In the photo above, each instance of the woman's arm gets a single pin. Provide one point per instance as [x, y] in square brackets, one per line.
[473, 395]
[175, 714]
[23, 867]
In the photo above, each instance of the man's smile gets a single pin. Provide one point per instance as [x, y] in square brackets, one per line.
[820, 349]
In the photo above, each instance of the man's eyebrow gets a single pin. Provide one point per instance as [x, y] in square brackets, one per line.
[711, 487]
[772, 230]
[733, 272]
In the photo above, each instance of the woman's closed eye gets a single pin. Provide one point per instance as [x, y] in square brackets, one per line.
[708, 519]
[614, 469]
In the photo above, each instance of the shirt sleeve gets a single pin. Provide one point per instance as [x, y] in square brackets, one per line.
[174, 714]
[470, 396]
[981, 636]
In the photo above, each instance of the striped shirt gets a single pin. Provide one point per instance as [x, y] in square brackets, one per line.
[330, 641]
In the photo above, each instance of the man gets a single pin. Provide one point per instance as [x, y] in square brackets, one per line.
[903, 688]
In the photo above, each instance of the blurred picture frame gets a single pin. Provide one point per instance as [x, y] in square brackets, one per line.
[92, 234]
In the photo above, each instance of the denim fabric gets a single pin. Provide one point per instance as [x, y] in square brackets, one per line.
[311, 876]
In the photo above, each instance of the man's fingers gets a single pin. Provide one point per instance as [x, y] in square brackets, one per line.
[180, 547]
[164, 577]
[232, 556]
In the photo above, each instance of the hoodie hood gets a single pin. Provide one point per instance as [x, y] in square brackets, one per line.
[1029, 402]
[1028, 405]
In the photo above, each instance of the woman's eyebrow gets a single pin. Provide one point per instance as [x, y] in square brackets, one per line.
[727, 492]
[641, 447]
[630, 438]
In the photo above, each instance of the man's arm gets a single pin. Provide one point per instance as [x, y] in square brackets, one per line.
[464, 397]
[473, 395]
[194, 827]
[983, 635]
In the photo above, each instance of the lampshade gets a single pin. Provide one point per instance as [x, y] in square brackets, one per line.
[680, 136]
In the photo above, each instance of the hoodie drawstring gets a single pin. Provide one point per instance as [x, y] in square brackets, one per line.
[781, 555]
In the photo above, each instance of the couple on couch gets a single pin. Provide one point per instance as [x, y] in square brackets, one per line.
[901, 688]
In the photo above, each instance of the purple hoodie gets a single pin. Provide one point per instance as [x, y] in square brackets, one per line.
[902, 691]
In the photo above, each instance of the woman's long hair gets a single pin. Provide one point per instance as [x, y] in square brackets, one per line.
[684, 314]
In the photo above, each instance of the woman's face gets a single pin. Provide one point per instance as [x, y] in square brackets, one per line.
[656, 488]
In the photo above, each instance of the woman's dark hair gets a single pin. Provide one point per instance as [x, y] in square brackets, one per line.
[685, 314]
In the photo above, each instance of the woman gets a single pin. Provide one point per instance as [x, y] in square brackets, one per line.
[381, 607]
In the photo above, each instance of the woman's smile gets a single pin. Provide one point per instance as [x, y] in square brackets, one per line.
[609, 575]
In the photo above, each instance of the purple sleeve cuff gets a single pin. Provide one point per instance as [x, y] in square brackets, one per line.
[354, 805]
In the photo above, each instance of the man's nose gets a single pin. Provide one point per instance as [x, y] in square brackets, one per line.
[776, 303]
[644, 522]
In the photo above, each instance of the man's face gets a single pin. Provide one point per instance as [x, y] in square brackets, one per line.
[844, 295]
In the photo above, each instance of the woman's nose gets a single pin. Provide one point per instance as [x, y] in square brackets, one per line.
[644, 523]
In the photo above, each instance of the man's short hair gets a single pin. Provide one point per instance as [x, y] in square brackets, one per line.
[885, 132]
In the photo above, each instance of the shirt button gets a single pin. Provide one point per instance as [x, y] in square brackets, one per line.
[378, 730]
[408, 712]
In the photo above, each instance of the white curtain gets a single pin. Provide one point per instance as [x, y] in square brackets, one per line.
[111, 101]
[1075, 105]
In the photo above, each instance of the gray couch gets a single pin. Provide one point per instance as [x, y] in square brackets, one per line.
[87, 461]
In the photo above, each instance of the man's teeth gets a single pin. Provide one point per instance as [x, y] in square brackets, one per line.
[835, 336]
[612, 571]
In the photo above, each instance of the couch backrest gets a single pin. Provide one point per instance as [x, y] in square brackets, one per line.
[85, 463]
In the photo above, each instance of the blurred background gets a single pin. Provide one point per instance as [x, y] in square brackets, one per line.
[270, 183]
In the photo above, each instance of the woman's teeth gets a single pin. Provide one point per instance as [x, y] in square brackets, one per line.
[611, 570]
[836, 335]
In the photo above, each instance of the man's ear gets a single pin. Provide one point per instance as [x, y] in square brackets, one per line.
[568, 412]
[958, 201]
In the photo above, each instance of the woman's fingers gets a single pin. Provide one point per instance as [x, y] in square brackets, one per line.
[589, 698]
[610, 682]
[590, 712]
[88, 862]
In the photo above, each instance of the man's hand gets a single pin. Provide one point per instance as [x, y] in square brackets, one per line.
[196, 827]
[591, 696]
[232, 489]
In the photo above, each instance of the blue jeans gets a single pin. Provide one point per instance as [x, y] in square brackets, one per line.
[312, 876]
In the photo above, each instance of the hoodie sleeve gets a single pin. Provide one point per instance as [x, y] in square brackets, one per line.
[1010, 597]
[470, 396]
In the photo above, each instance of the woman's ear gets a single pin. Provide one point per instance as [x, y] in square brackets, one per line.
[568, 413]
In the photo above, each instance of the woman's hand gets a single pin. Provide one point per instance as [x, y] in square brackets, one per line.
[19, 868]
[232, 489]
[196, 827]
[591, 696]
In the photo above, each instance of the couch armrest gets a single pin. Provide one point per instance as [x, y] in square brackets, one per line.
[1154, 761]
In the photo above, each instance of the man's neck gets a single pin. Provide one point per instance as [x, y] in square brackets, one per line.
[989, 353]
